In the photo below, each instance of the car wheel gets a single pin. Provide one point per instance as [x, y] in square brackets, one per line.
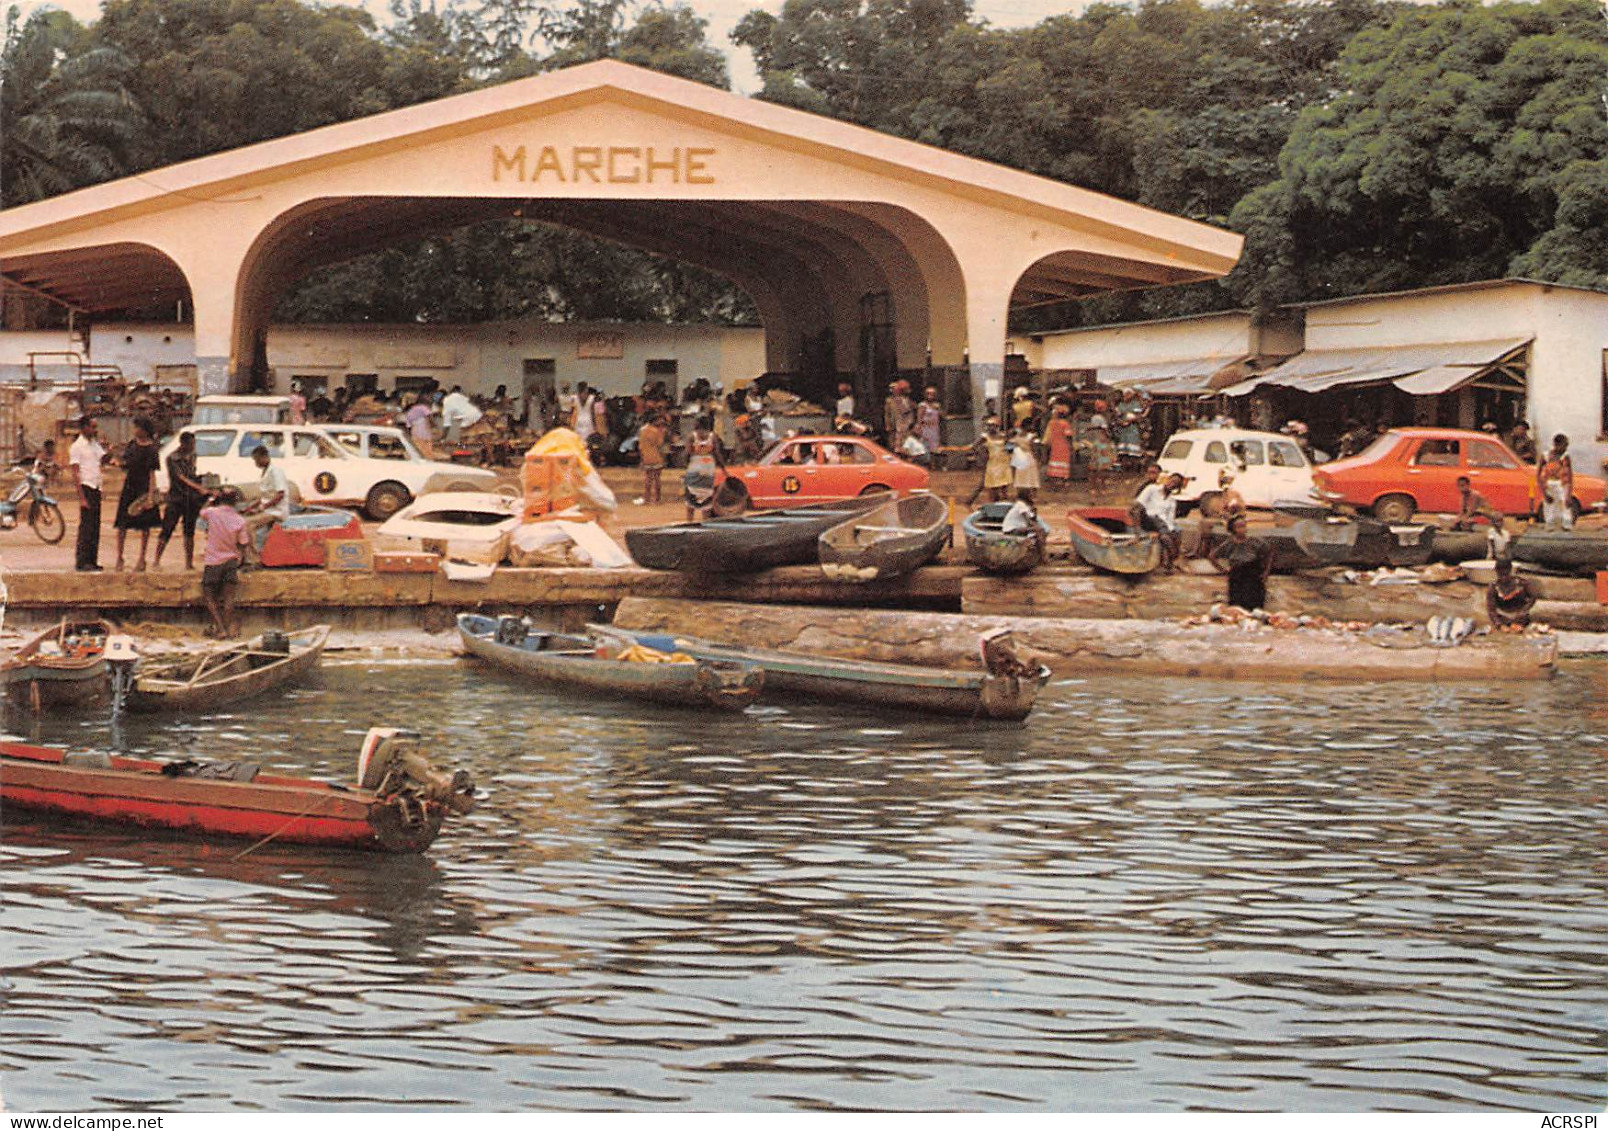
[731, 498]
[461, 486]
[876, 489]
[385, 499]
[1395, 508]
[1575, 508]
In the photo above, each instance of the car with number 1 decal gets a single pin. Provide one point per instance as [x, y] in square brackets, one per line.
[322, 469]
[816, 469]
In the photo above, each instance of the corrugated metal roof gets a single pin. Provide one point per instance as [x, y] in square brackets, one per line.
[1434, 367]
[1180, 378]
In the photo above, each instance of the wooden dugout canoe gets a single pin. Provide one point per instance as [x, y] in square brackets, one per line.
[886, 541]
[63, 668]
[1102, 538]
[1364, 543]
[745, 543]
[402, 813]
[574, 662]
[226, 673]
[1571, 551]
[991, 549]
[937, 691]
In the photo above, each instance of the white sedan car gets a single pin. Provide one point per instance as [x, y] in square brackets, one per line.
[320, 469]
[1268, 468]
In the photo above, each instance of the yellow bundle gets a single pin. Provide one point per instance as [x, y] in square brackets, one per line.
[642, 654]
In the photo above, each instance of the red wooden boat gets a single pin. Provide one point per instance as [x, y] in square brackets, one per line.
[397, 806]
[1103, 537]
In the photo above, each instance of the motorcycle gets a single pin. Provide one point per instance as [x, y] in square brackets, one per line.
[44, 515]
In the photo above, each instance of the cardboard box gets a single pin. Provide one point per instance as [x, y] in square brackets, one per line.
[348, 555]
[404, 561]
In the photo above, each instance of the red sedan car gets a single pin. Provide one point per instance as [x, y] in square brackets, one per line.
[1408, 470]
[816, 469]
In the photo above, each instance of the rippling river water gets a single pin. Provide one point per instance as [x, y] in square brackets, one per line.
[1155, 895]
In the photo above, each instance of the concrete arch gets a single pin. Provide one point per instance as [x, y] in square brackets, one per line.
[126, 274]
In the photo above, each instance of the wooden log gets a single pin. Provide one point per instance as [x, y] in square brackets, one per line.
[1079, 646]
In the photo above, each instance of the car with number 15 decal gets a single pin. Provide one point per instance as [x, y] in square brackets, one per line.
[320, 469]
[816, 469]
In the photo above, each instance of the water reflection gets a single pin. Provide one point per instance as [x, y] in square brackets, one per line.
[1153, 896]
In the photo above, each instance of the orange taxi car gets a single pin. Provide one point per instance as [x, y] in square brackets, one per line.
[817, 469]
[1408, 470]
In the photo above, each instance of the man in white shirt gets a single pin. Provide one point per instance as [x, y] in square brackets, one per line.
[87, 457]
[273, 500]
[584, 419]
[845, 401]
[1157, 511]
[457, 413]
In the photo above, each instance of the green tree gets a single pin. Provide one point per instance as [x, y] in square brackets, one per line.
[1446, 155]
[217, 74]
[66, 120]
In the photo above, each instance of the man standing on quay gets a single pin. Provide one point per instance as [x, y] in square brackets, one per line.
[87, 456]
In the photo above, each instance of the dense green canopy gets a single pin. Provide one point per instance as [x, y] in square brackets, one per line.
[1360, 145]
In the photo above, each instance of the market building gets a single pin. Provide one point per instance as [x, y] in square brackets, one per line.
[1495, 352]
[865, 255]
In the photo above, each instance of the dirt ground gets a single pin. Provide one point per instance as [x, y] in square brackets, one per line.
[21, 549]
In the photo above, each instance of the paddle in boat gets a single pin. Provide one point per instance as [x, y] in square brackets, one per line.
[587, 664]
[994, 549]
[746, 543]
[1104, 539]
[891, 540]
[63, 668]
[1006, 690]
[397, 805]
[228, 672]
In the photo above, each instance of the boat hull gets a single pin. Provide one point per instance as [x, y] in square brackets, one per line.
[64, 668]
[693, 685]
[47, 689]
[1363, 543]
[743, 544]
[1571, 551]
[992, 550]
[1101, 537]
[157, 692]
[891, 540]
[938, 691]
[134, 792]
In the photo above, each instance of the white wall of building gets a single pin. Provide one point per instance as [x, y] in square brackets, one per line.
[612, 357]
[478, 357]
[1224, 337]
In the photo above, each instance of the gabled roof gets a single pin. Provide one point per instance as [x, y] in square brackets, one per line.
[608, 80]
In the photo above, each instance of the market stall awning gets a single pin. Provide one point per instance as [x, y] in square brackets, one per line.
[1186, 378]
[1422, 370]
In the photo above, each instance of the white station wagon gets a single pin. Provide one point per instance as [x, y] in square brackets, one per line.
[1268, 468]
[320, 469]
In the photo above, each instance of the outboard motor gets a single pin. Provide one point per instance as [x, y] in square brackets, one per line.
[393, 765]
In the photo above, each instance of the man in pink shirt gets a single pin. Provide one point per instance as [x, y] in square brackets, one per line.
[220, 560]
